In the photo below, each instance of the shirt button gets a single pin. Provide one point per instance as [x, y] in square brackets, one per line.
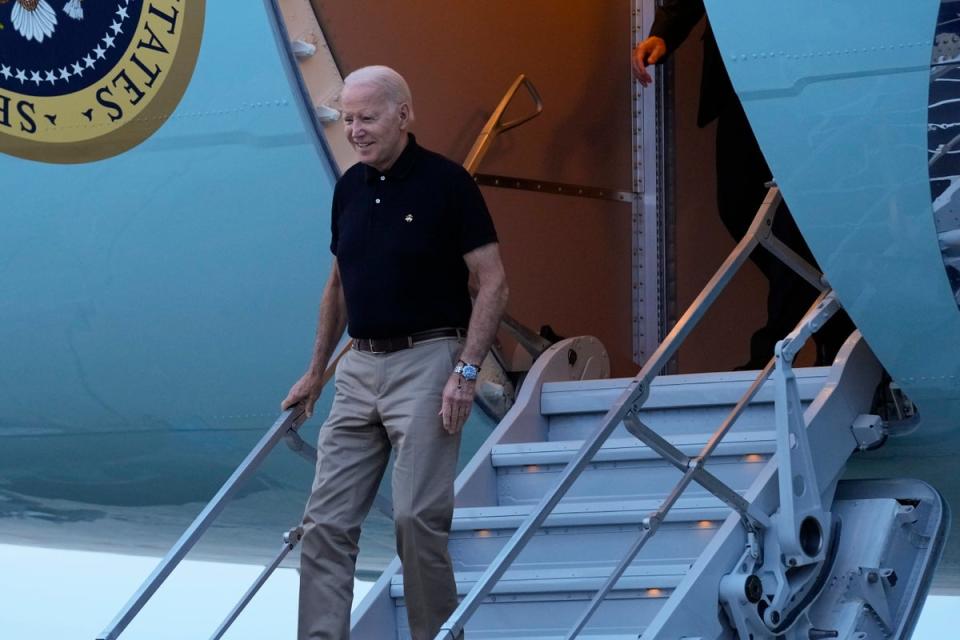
[382, 178]
[377, 200]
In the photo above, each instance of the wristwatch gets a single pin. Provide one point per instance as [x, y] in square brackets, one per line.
[466, 370]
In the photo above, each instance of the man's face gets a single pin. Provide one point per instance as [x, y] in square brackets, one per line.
[375, 128]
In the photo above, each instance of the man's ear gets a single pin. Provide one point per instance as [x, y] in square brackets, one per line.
[404, 113]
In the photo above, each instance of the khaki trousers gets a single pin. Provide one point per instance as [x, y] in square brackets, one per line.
[382, 402]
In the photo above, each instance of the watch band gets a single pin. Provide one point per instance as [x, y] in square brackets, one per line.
[467, 370]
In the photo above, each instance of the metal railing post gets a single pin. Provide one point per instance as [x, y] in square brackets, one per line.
[290, 540]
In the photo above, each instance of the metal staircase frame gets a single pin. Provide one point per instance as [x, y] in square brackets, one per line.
[627, 408]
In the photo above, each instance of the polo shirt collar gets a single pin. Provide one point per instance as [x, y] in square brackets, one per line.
[403, 165]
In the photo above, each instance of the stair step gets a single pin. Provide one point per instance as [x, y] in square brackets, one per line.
[631, 449]
[627, 470]
[567, 514]
[618, 618]
[559, 597]
[657, 578]
[677, 404]
[586, 534]
[676, 392]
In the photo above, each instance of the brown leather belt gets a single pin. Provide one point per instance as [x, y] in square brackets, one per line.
[389, 345]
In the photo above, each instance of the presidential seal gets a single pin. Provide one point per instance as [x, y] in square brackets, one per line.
[82, 80]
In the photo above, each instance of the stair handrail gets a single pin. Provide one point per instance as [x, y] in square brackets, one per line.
[628, 405]
[531, 342]
[285, 428]
[495, 124]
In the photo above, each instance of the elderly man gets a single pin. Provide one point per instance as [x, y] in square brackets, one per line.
[408, 229]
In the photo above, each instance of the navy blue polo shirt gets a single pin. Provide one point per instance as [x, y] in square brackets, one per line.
[400, 238]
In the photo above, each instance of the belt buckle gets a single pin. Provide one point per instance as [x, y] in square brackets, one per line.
[372, 350]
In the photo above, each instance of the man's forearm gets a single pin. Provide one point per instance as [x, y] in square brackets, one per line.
[331, 322]
[488, 308]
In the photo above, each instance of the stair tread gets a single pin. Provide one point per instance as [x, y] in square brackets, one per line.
[671, 392]
[557, 580]
[596, 512]
[622, 449]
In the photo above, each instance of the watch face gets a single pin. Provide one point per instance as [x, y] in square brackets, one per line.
[470, 372]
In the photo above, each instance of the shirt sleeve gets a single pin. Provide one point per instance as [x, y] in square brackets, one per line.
[476, 225]
[674, 20]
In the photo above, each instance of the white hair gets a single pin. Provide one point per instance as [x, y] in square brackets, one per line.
[390, 83]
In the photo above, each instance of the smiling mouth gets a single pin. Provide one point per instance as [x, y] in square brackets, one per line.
[362, 145]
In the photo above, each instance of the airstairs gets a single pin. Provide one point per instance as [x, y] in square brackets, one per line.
[697, 506]
[670, 590]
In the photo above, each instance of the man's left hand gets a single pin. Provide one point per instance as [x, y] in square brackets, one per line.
[648, 52]
[457, 402]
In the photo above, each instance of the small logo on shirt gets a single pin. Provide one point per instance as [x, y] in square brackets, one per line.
[408, 217]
